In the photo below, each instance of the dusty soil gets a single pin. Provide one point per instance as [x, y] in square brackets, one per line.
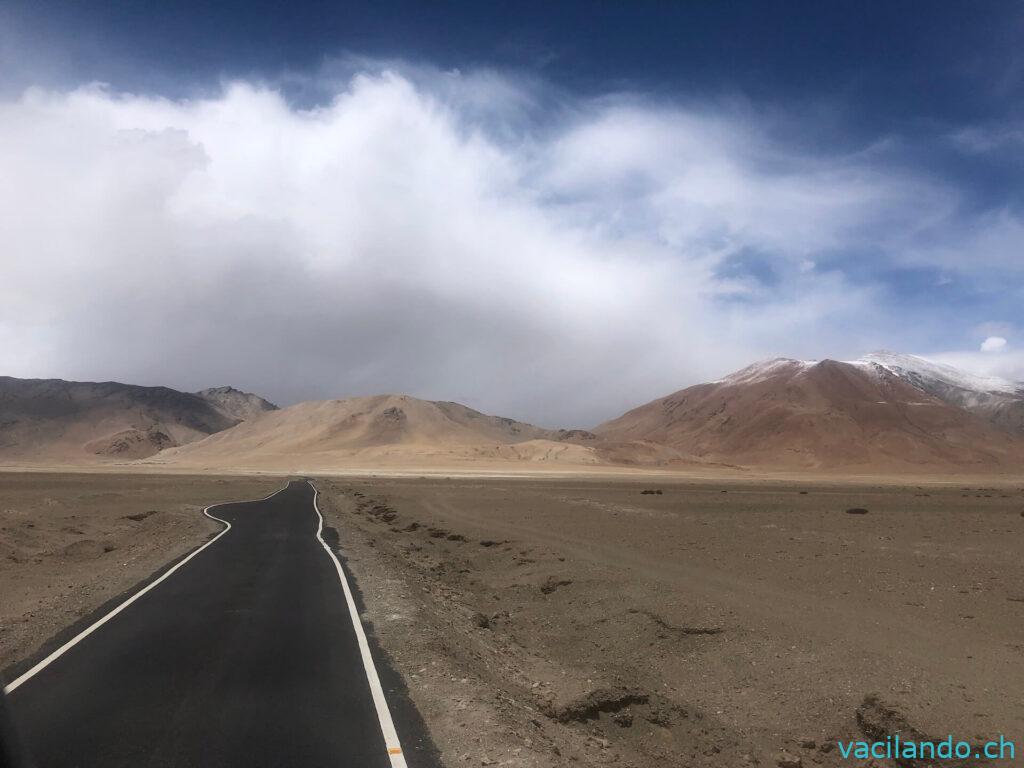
[70, 542]
[581, 621]
[584, 622]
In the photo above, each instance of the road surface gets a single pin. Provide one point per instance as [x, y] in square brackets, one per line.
[248, 653]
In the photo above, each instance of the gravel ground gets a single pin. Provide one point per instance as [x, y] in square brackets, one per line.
[567, 622]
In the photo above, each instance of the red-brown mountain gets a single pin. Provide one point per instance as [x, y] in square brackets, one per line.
[859, 415]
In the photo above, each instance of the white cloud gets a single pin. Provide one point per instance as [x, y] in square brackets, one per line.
[980, 139]
[713, 184]
[985, 246]
[993, 344]
[1008, 365]
[416, 234]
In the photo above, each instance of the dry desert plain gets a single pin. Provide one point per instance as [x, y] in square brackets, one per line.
[576, 620]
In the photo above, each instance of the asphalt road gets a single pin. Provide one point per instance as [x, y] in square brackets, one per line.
[246, 655]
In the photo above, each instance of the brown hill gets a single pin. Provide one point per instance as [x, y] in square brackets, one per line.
[236, 404]
[828, 415]
[997, 400]
[66, 421]
[387, 429]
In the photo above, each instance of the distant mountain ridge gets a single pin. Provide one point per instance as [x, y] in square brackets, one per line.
[999, 400]
[379, 428]
[47, 419]
[882, 412]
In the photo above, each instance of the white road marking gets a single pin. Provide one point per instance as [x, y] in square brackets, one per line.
[387, 725]
[93, 627]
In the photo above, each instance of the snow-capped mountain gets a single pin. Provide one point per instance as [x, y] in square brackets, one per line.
[884, 412]
[999, 400]
[927, 375]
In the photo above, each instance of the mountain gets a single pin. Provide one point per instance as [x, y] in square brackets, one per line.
[883, 413]
[69, 421]
[236, 404]
[998, 400]
[872, 415]
[387, 429]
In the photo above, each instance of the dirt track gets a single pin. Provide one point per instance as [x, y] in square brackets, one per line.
[713, 624]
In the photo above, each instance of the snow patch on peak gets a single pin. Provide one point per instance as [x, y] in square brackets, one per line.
[764, 369]
[927, 375]
[944, 381]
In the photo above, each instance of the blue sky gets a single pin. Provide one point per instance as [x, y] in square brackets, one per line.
[663, 190]
[911, 66]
